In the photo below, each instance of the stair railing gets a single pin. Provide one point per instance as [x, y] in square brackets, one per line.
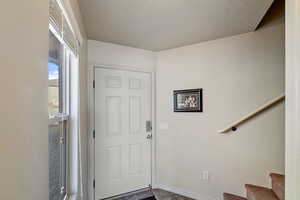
[233, 126]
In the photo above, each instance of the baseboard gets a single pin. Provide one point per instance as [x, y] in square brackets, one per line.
[183, 192]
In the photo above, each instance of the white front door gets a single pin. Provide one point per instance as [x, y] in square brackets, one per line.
[122, 150]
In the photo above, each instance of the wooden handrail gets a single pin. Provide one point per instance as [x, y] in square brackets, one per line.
[251, 115]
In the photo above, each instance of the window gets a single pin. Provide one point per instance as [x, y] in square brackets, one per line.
[55, 65]
[58, 117]
[62, 64]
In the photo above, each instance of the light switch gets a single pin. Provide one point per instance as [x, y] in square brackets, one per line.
[163, 126]
[205, 175]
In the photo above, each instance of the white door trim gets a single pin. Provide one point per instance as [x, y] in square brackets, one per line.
[292, 121]
[91, 118]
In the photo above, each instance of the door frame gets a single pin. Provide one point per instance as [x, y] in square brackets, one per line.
[292, 108]
[91, 123]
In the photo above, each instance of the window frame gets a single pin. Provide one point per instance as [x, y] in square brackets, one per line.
[71, 38]
[63, 116]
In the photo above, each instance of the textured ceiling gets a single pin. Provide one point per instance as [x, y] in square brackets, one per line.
[164, 24]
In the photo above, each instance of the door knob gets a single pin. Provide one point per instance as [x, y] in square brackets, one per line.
[148, 126]
[149, 136]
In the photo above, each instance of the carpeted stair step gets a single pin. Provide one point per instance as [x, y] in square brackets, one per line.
[278, 187]
[228, 196]
[260, 193]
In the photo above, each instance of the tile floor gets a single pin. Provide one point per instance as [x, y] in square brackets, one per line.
[158, 193]
[165, 195]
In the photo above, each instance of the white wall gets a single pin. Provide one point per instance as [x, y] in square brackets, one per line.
[292, 191]
[237, 74]
[120, 56]
[23, 102]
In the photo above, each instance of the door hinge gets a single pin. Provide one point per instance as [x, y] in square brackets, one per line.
[94, 134]
[94, 184]
[94, 84]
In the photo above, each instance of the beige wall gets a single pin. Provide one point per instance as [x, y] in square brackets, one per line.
[120, 56]
[238, 74]
[23, 104]
[83, 75]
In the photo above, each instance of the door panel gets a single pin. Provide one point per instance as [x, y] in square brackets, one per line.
[122, 151]
[135, 112]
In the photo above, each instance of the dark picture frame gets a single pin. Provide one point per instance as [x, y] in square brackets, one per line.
[190, 100]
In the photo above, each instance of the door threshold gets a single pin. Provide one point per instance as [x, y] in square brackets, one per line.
[128, 194]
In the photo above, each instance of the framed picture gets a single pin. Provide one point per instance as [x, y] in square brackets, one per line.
[188, 100]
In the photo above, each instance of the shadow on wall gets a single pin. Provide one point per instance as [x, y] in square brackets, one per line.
[274, 16]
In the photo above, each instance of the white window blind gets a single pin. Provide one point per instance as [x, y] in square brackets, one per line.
[60, 23]
[69, 37]
[56, 17]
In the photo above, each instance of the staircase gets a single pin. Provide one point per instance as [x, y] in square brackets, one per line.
[255, 192]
